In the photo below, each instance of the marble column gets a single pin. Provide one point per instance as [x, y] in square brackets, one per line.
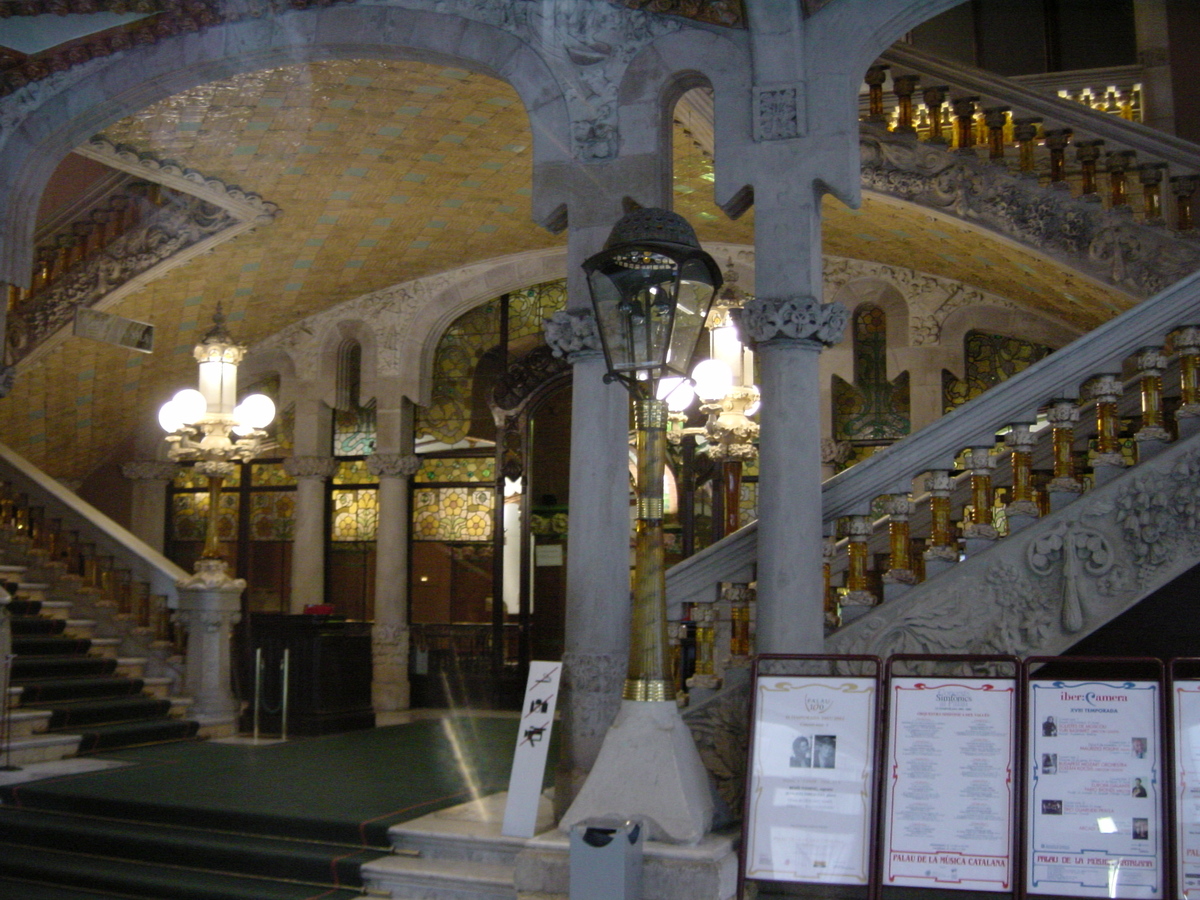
[308, 537]
[209, 607]
[148, 509]
[789, 334]
[389, 636]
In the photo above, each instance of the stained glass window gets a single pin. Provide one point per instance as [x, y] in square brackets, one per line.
[458, 468]
[271, 515]
[270, 475]
[188, 479]
[452, 514]
[354, 471]
[191, 516]
[990, 359]
[873, 408]
[355, 515]
[354, 430]
[748, 505]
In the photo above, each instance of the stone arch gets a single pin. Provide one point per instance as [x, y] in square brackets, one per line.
[1025, 324]
[108, 90]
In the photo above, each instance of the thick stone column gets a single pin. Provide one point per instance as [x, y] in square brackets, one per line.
[308, 537]
[209, 607]
[789, 334]
[389, 636]
[148, 510]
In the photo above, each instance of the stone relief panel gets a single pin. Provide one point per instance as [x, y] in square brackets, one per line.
[1041, 590]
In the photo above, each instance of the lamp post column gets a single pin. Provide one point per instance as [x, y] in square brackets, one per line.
[209, 606]
[789, 334]
[308, 540]
[389, 636]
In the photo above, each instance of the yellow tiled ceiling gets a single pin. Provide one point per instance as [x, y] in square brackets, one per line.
[386, 171]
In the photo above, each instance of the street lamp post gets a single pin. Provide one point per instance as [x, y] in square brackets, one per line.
[208, 426]
[651, 288]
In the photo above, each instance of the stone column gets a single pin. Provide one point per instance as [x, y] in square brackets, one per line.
[209, 607]
[148, 509]
[389, 636]
[789, 334]
[308, 541]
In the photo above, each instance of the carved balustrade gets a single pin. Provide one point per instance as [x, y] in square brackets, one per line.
[1085, 138]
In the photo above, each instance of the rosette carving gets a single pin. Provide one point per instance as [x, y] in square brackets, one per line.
[794, 318]
[393, 465]
[573, 333]
[310, 466]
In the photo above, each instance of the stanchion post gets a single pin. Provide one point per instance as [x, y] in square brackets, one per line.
[283, 701]
[257, 688]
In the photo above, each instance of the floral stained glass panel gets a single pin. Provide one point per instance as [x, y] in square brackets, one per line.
[271, 515]
[452, 514]
[354, 471]
[188, 479]
[270, 475]
[190, 519]
[447, 469]
[355, 515]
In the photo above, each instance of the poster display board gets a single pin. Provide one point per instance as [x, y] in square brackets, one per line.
[1094, 789]
[809, 797]
[949, 795]
[1186, 699]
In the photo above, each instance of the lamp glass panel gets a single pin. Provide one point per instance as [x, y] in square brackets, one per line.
[633, 292]
[218, 384]
[691, 311]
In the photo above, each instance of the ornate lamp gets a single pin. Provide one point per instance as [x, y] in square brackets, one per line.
[206, 426]
[651, 289]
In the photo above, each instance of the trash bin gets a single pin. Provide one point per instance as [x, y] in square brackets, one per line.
[606, 860]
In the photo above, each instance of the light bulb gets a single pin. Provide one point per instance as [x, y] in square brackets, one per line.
[256, 411]
[190, 405]
[713, 379]
[169, 418]
[677, 392]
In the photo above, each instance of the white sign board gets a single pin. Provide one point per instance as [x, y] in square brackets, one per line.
[810, 779]
[533, 741]
[1094, 789]
[1187, 788]
[113, 329]
[949, 795]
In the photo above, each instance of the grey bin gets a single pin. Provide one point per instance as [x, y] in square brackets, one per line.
[606, 860]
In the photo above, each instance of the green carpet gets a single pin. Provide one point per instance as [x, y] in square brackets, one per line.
[346, 788]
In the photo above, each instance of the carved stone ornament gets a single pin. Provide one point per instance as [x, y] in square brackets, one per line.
[1039, 590]
[594, 682]
[779, 113]
[149, 470]
[794, 318]
[393, 465]
[310, 466]
[211, 574]
[573, 333]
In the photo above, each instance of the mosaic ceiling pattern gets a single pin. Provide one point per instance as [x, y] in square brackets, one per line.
[387, 171]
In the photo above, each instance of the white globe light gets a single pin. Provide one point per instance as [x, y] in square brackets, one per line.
[677, 392]
[169, 418]
[713, 379]
[190, 405]
[256, 411]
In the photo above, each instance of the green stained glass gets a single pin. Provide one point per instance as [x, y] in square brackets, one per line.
[448, 416]
[873, 408]
[190, 519]
[355, 515]
[452, 514]
[354, 430]
[354, 471]
[990, 359]
[748, 502]
[270, 475]
[271, 515]
[459, 468]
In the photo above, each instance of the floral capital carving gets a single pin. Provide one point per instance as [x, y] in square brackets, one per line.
[393, 465]
[573, 333]
[794, 318]
[310, 466]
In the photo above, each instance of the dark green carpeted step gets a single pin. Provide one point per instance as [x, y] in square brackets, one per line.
[10, 889]
[43, 645]
[20, 607]
[24, 667]
[50, 690]
[78, 713]
[157, 881]
[23, 625]
[132, 734]
[235, 853]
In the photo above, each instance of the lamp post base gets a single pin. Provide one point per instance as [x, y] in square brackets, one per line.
[648, 769]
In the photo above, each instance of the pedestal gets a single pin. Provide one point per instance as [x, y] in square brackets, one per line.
[209, 606]
[648, 769]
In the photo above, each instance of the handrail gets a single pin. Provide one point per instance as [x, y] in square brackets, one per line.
[144, 561]
[1166, 147]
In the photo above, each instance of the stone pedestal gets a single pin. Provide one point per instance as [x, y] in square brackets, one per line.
[648, 769]
[209, 606]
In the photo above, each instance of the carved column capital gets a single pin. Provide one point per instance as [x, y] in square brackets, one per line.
[794, 319]
[149, 470]
[735, 592]
[899, 506]
[393, 465]
[834, 453]
[980, 460]
[573, 333]
[320, 467]
[1063, 413]
[940, 483]
[1187, 340]
[1020, 438]
[1107, 389]
[1150, 361]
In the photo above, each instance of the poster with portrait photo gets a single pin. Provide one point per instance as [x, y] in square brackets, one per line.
[1094, 789]
[809, 803]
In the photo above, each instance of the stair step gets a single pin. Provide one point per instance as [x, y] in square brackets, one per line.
[158, 881]
[95, 738]
[12, 889]
[80, 713]
[28, 722]
[230, 852]
[49, 690]
[43, 645]
[25, 668]
[24, 607]
[32, 625]
[426, 879]
[58, 609]
[108, 647]
[40, 748]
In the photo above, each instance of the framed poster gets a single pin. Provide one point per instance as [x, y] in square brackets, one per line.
[1093, 789]
[1186, 697]
[809, 798]
[949, 794]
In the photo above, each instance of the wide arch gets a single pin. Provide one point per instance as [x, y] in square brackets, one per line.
[128, 82]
